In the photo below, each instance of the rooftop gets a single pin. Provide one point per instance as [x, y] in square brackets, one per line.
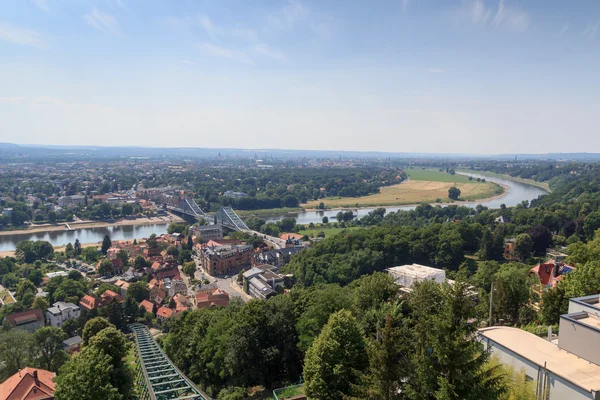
[28, 383]
[539, 351]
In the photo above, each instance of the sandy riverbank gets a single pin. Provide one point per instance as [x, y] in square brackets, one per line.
[94, 224]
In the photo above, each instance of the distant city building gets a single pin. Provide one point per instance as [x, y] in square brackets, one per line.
[75, 200]
[567, 369]
[234, 195]
[277, 258]
[92, 303]
[216, 298]
[73, 344]
[209, 232]
[61, 312]
[164, 313]
[509, 249]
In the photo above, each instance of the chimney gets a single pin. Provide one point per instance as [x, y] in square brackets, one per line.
[35, 377]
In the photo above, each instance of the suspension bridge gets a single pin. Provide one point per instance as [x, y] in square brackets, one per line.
[225, 216]
[156, 377]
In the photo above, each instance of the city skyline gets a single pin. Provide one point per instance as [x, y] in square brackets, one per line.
[303, 75]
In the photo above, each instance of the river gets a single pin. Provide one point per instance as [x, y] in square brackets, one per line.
[517, 192]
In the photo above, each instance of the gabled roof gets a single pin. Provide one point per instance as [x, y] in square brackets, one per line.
[25, 317]
[24, 385]
[148, 305]
[164, 312]
[88, 302]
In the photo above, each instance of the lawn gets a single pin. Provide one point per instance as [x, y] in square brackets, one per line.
[542, 185]
[329, 231]
[419, 174]
[424, 186]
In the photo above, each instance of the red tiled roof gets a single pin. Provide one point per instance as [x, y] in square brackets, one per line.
[164, 312]
[24, 317]
[25, 386]
[109, 296]
[148, 305]
[88, 302]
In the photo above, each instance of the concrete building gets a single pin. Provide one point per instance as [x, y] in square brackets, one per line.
[262, 283]
[75, 200]
[234, 195]
[7, 212]
[209, 232]
[569, 369]
[61, 312]
[408, 275]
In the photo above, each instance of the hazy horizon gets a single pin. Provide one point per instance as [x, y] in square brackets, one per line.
[408, 76]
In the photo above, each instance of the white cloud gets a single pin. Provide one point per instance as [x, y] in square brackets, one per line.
[289, 15]
[41, 4]
[22, 36]
[504, 16]
[266, 50]
[591, 31]
[207, 25]
[564, 29]
[436, 70]
[103, 22]
[224, 52]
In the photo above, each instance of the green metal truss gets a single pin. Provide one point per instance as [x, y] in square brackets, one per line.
[157, 378]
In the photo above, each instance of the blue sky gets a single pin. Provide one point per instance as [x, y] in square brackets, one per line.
[468, 76]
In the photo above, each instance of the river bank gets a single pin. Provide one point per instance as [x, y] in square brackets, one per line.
[93, 224]
[541, 185]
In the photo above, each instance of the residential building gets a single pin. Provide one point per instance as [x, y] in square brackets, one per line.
[175, 286]
[158, 291]
[407, 275]
[123, 286]
[549, 274]
[29, 320]
[568, 369]
[182, 303]
[73, 344]
[29, 384]
[277, 258]
[226, 259]
[164, 313]
[218, 297]
[61, 312]
[7, 212]
[262, 283]
[148, 306]
[509, 249]
[209, 288]
[91, 303]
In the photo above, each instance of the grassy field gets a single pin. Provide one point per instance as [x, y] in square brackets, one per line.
[329, 231]
[267, 212]
[542, 185]
[424, 186]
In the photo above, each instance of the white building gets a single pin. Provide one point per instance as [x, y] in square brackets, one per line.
[408, 275]
[567, 370]
[61, 312]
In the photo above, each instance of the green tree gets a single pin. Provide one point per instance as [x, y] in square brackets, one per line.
[584, 281]
[189, 268]
[454, 193]
[138, 290]
[124, 257]
[386, 362]
[114, 313]
[87, 376]
[116, 345]
[554, 304]
[184, 256]
[131, 309]
[511, 291]
[173, 251]
[25, 286]
[75, 275]
[140, 262]
[41, 303]
[105, 268]
[325, 219]
[92, 327]
[336, 358]
[106, 244]
[15, 352]
[48, 342]
[35, 276]
[77, 247]
[90, 254]
[523, 246]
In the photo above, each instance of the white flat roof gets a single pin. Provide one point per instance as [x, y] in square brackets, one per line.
[578, 371]
[417, 270]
